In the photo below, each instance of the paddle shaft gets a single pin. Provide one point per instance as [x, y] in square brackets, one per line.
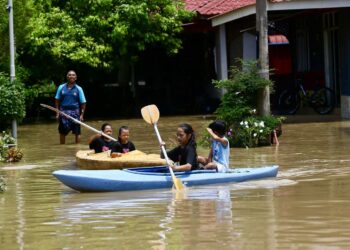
[77, 121]
[163, 149]
[162, 146]
[150, 114]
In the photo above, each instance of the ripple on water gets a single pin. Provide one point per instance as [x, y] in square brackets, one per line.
[23, 167]
[283, 212]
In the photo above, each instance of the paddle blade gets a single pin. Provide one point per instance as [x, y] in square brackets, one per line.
[178, 184]
[150, 114]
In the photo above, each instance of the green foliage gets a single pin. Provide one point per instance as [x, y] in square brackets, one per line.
[253, 131]
[250, 131]
[205, 138]
[39, 90]
[238, 106]
[6, 139]
[8, 150]
[22, 12]
[42, 89]
[12, 100]
[241, 94]
[272, 122]
[98, 32]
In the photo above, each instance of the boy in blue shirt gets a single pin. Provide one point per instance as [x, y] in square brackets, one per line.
[70, 99]
[219, 155]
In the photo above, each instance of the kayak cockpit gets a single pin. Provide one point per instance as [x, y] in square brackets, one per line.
[163, 170]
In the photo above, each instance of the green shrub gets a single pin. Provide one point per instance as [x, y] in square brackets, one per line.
[250, 131]
[253, 131]
[12, 100]
[241, 94]
[44, 89]
[238, 107]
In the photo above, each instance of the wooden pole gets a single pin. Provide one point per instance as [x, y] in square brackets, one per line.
[262, 28]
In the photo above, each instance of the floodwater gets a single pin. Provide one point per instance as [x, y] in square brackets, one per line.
[306, 207]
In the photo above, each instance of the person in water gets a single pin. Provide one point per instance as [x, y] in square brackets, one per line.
[185, 155]
[220, 148]
[70, 99]
[123, 145]
[100, 143]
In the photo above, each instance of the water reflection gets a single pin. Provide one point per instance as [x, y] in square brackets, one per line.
[197, 216]
[305, 207]
[20, 217]
[169, 212]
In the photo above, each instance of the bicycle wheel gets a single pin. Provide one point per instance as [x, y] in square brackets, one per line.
[289, 102]
[323, 101]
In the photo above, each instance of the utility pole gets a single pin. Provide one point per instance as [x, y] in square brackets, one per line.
[262, 28]
[12, 58]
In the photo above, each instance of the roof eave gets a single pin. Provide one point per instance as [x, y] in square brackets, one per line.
[294, 5]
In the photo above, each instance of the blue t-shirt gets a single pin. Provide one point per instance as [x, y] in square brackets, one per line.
[70, 98]
[221, 153]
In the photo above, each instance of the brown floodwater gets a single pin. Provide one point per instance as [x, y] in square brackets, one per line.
[306, 207]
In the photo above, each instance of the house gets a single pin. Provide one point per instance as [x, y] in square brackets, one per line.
[308, 39]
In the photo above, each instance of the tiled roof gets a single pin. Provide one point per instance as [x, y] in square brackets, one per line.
[216, 7]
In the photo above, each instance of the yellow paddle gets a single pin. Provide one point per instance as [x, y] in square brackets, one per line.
[150, 114]
[77, 121]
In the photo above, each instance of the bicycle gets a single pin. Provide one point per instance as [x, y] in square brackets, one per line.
[322, 99]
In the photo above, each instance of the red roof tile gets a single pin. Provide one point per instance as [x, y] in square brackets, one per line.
[216, 7]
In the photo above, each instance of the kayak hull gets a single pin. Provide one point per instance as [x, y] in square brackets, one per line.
[154, 178]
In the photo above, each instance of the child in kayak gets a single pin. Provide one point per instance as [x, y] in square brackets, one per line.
[99, 143]
[123, 145]
[220, 148]
[186, 153]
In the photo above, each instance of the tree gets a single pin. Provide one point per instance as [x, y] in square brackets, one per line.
[102, 32]
[23, 10]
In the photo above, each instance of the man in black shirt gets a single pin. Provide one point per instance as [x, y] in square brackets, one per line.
[100, 143]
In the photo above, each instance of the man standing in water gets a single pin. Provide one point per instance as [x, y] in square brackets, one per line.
[70, 99]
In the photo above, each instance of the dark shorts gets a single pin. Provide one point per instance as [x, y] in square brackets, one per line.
[66, 125]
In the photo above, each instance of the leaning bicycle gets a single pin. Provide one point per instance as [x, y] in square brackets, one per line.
[322, 99]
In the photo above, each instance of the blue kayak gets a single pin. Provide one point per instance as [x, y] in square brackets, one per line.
[154, 178]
